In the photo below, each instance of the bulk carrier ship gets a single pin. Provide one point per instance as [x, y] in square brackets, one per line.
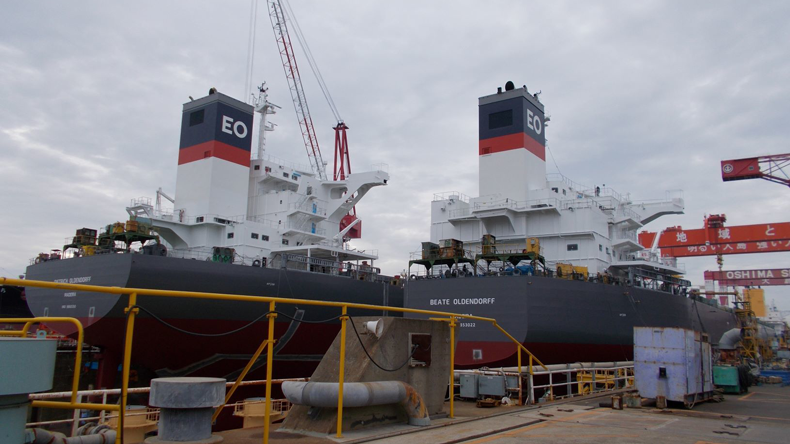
[556, 263]
[240, 224]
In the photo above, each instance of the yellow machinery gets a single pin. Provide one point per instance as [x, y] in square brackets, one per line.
[748, 322]
[489, 244]
[533, 246]
[756, 296]
[564, 271]
[591, 381]
[571, 272]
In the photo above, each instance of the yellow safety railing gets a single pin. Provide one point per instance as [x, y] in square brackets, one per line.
[132, 310]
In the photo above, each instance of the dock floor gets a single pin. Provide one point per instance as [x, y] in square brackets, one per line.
[760, 416]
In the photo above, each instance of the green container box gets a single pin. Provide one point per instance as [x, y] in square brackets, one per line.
[726, 377]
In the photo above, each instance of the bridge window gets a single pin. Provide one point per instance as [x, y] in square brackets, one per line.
[254, 235]
[230, 235]
[196, 118]
[500, 119]
[285, 241]
[573, 247]
[265, 238]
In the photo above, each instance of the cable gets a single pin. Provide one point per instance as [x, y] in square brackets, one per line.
[413, 350]
[213, 335]
[553, 160]
[323, 321]
[210, 335]
[311, 61]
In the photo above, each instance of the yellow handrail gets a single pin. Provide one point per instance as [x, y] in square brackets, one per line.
[132, 310]
[75, 381]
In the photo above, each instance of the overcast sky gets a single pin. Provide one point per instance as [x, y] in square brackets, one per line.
[644, 97]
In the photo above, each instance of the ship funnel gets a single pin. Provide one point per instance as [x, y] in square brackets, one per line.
[375, 327]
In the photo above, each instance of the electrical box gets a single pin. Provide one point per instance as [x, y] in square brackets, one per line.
[726, 377]
[422, 355]
[468, 386]
[491, 386]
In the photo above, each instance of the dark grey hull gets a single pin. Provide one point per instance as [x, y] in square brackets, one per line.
[170, 352]
[559, 320]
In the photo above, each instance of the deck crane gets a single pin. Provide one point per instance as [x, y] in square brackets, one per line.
[279, 18]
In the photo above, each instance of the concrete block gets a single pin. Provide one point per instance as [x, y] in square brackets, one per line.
[390, 351]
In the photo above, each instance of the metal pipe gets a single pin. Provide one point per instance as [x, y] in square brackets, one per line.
[52, 395]
[578, 365]
[730, 339]
[41, 436]
[360, 394]
[73, 405]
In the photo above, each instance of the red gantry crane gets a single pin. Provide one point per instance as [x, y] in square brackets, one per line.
[715, 238]
[770, 168]
[342, 167]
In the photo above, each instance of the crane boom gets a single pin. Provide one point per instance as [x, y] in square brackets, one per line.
[770, 168]
[277, 17]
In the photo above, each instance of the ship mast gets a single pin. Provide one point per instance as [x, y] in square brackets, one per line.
[264, 107]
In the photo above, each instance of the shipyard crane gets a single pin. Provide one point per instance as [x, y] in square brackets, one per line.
[278, 14]
[770, 168]
[283, 38]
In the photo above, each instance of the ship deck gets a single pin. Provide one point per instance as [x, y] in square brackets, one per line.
[762, 415]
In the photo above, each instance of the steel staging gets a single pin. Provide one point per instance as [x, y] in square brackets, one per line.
[132, 310]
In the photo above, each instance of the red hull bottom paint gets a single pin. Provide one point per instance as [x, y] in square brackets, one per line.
[503, 354]
[159, 350]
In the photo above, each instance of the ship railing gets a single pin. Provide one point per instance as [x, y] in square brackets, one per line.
[133, 309]
[624, 234]
[305, 169]
[151, 414]
[308, 207]
[380, 167]
[460, 212]
[522, 205]
[181, 217]
[263, 221]
[586, 190]
[450, 195]
[560, 381]
[632, 214]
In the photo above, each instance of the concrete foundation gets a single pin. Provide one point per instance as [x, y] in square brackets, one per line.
[390, 351]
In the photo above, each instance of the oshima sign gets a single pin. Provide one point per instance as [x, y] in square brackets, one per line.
[774, 276]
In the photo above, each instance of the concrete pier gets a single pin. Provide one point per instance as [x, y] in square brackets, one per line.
[762, 415]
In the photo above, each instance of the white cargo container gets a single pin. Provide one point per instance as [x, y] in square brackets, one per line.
[673, 363]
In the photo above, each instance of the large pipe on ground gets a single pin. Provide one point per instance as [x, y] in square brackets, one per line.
[95, 435]
[730, 339]
[359, 394]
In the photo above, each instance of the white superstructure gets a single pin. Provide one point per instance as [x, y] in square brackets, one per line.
[587, 226]
[266, 210]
